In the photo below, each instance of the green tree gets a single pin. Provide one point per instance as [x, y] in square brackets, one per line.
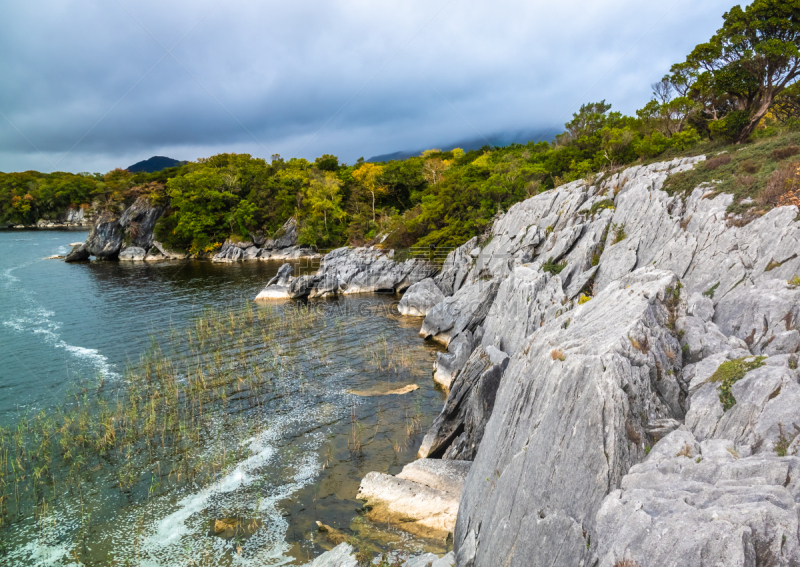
[745, 65]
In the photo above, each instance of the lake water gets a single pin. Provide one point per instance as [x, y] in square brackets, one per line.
[241, 475]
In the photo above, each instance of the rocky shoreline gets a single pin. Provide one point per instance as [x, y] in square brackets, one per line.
[623, 379]
[130, 236]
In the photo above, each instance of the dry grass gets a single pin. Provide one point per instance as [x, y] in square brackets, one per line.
[782, 185]
[558, 354]
[750, 166]
[625, 563]
[783, 153]
[715, 162]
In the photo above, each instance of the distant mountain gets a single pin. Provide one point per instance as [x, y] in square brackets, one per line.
[501, 139]
[155, 163]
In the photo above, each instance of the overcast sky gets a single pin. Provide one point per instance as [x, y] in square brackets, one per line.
[93, 85]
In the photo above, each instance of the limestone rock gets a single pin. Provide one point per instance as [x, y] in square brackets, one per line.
[759, 313]
[138, 222]
[105, 239]
[279, 287]
[340, 556]
[464, 310]
[420, 298]
[702, 507]
[568, 423]
[468, 407]
[423, 499]
[285, 238]
[78, 253]
[132, 253]
[449, 364]
[455, 268]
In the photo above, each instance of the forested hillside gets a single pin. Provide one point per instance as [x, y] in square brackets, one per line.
[737, 91]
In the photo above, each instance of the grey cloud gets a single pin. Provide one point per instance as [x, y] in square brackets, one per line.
[279, 71]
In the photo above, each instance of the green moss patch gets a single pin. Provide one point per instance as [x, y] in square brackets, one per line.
[731, 372]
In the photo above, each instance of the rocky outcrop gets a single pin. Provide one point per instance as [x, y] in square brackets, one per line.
[79, 253]
[111, 232]
[420, 298]
[568, 422]
[282, 247]
[459, 428]
[630, 316]
[352, 270]
[700, 503]
[138, 223]
[422, 499]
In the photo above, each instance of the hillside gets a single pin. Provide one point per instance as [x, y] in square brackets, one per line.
[155, 163]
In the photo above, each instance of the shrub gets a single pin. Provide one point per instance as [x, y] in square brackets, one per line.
[552, 267]
[584, 299]
[749, 166]
[619, 232]
[558, 354]
[782, 181]
[600, 205]
[731, 126]
[731, 372]
[783, 153]
[745, 181]
[718, 161]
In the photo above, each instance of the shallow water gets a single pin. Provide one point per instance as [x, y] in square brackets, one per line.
[283, 463]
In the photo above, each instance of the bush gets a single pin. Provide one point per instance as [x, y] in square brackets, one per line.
[731, 126]
[782, 181]
[715, 162]
[553, 268]
[685, 139]
[750, 166]
[783, 153]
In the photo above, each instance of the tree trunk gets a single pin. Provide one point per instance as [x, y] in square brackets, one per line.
[373, 206]
[755, 119]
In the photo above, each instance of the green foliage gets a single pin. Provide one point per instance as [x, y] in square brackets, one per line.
[731, 372]
[710, 292]
[552, 267]
[600, 205]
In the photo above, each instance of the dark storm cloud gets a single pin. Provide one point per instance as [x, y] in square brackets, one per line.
[90, 85]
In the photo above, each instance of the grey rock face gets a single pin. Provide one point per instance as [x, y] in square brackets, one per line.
[457, 431]
[340, 556]
[449, 364]
[365, 270]
[455, 268]
[568, 422]
[287, 236]
[132, 253]
[698, 504]
[525, 300]
[139, 221]
[759, 313]
[79, 253]
[461, 312]
[105, 239]
[420, 298]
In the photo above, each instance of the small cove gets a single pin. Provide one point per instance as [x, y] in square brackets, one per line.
[274, 453]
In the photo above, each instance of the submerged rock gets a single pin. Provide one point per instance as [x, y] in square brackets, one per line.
[423, 499]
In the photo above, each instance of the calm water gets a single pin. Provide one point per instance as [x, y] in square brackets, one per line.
[63, 326]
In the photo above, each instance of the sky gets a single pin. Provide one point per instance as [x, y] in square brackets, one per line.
[94, 85]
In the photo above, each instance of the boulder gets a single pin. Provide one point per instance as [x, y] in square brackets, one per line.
[420, 298]
[423, 499]
[78, 253]
[132, 253]
[279, 286]
[698, 504]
